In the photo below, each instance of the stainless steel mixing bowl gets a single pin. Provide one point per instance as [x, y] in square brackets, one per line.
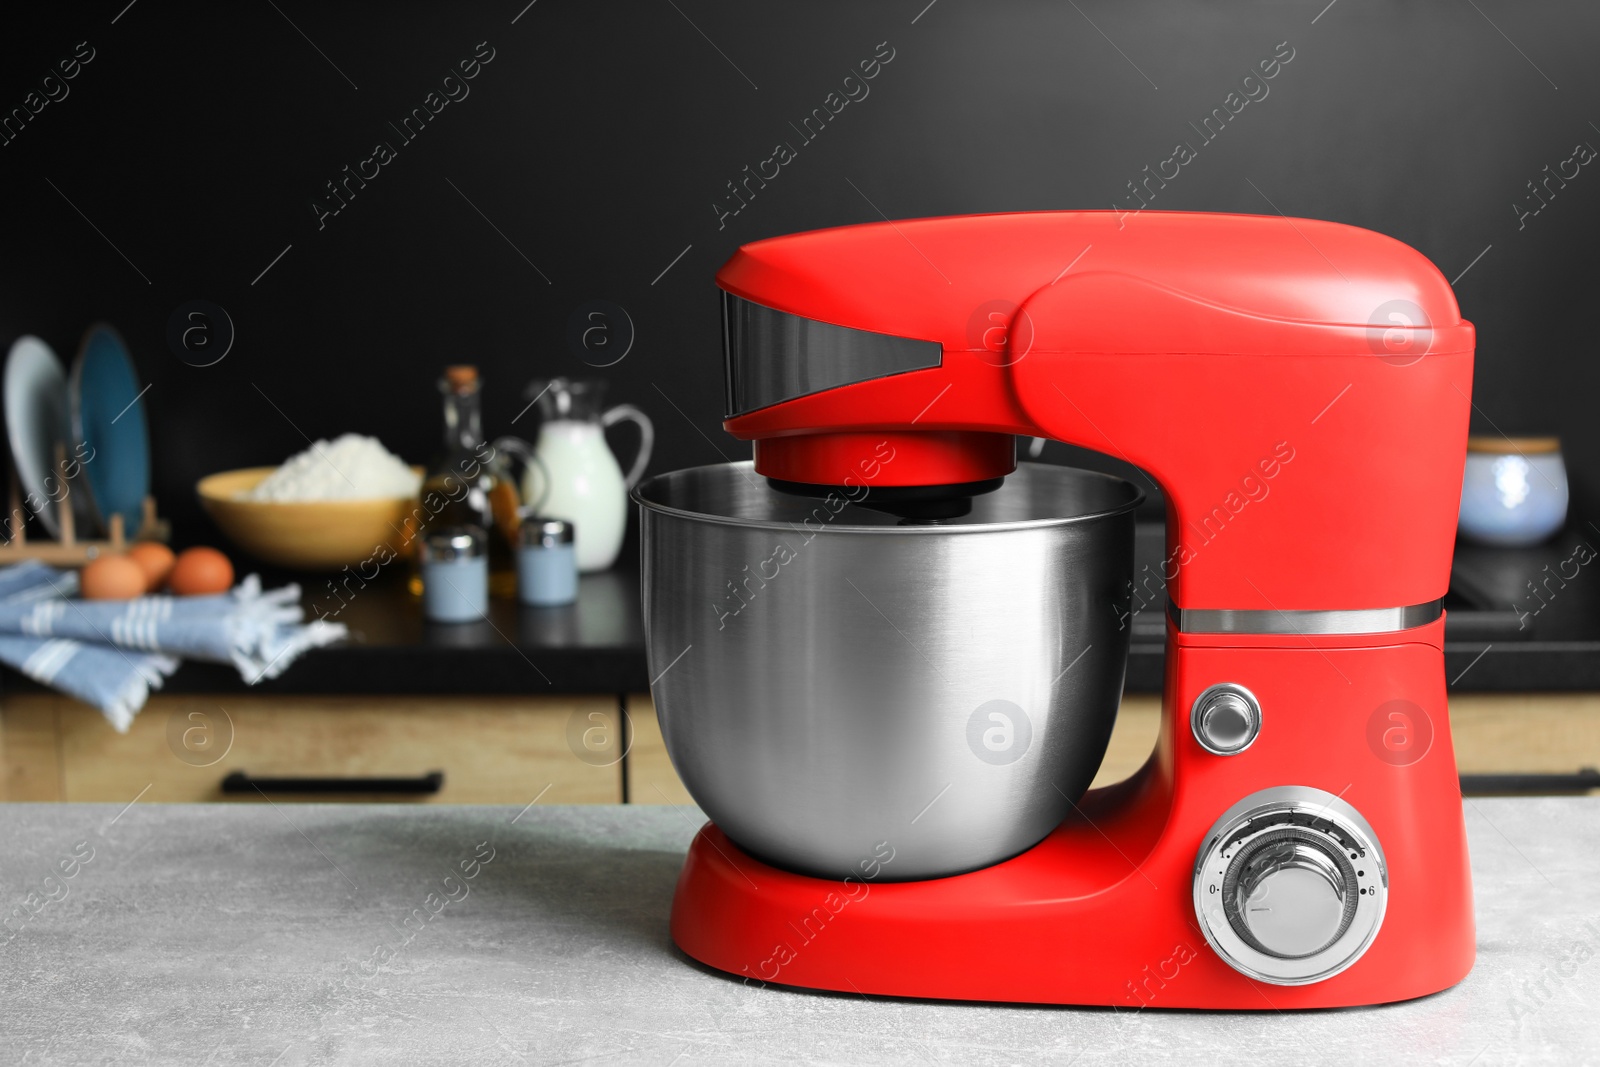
[835, 688]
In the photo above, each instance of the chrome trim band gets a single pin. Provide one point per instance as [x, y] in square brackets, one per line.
[1359, 621]
[772, 356]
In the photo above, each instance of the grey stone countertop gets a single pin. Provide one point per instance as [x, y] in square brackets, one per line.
[290, 934]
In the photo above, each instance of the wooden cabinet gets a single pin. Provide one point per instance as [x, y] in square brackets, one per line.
[651, 779]
[1536, 732]
[492, 750]
[562, 750]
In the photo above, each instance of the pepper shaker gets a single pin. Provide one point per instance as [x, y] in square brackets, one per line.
[547, 563]
[455, 575]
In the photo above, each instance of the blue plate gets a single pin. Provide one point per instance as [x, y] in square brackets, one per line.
[108, 421]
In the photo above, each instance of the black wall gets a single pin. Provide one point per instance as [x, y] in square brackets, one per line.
[595, 142]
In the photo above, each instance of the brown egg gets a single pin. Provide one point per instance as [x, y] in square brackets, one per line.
[112, 578]
[200, 572]
[155, 560]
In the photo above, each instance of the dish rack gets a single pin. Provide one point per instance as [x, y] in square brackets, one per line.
[69, 551]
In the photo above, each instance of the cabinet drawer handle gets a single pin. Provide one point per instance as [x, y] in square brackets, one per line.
[421, 785]
[1534, 784]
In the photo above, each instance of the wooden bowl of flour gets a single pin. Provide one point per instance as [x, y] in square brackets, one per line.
[321, 535]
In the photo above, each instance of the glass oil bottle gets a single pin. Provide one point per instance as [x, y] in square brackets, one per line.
[463, 487]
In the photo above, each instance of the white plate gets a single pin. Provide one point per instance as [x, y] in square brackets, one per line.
[37, 424]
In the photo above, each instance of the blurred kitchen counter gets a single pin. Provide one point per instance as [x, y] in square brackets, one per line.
[561, 694]
[594, 645]
[526, 693]
[1501, 634]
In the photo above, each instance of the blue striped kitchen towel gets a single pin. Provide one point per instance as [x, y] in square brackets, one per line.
[111, 653]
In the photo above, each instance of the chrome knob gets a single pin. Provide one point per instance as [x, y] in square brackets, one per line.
[1226, 719]
[1290, 894]
[1291, 885]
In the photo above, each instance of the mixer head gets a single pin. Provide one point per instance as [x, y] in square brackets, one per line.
[911, 504]
[907, 357]
[920, 476]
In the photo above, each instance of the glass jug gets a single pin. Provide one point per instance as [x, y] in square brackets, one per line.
[577, 478]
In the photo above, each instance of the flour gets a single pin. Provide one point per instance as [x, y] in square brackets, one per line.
[352, 467]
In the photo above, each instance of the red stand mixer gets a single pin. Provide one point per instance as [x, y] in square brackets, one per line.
[1300, 389]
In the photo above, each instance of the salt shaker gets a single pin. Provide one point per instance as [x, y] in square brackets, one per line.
[455, 575]
[547, 563]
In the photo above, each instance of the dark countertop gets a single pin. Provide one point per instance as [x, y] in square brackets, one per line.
[595, 645]
[1500, 635]
[1551, 639]
[380, 934]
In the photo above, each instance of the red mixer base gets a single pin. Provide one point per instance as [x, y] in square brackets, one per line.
[1030, 930]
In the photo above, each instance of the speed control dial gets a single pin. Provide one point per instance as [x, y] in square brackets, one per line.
[1290, 886]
